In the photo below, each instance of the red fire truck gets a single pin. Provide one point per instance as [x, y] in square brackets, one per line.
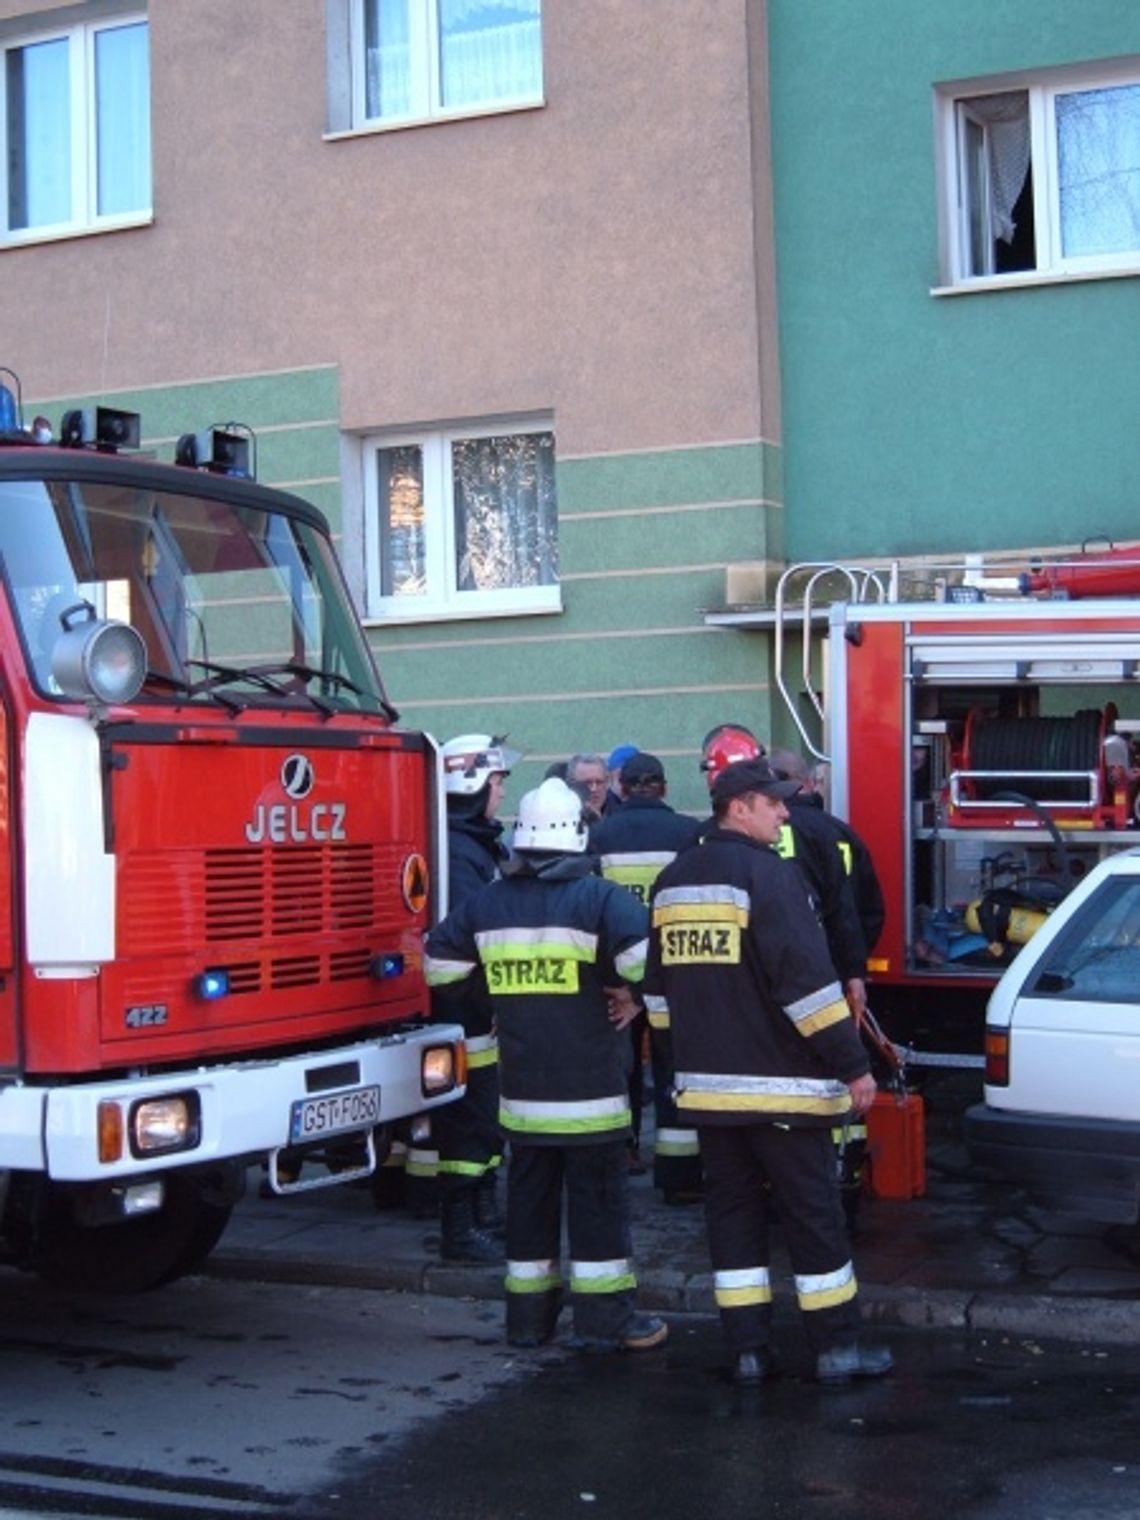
[982, 741]
[217, 855]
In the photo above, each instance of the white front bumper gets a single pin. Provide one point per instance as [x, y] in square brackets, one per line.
[245, 1106]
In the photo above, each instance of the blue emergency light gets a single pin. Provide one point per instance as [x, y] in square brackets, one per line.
[212, 985]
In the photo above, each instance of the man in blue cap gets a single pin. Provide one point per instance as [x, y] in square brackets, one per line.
[618, 756]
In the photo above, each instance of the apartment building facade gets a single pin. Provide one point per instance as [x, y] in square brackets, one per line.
[491, 282]
[578, 317]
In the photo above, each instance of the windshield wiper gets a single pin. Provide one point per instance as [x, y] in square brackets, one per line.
[334, 678]
[172, 683]
[186, 689]
[221, 675]
[261, 676]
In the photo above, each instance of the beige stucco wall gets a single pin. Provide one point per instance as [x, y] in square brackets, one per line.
[596, 257]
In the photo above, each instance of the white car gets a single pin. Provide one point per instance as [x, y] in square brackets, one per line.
[1062, 1081]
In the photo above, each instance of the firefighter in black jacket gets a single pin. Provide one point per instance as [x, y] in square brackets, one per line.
[807, 811]
[767, 1059]
[633, 844]
[853, 853]
[557, 948]
[475, 767]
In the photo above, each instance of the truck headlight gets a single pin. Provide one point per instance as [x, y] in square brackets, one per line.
[158, 1126]
[99, 659]
[443, 1067]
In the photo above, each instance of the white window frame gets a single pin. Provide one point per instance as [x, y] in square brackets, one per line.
[85, 217]
[347, 74]
[1042, 89]
[443, 600]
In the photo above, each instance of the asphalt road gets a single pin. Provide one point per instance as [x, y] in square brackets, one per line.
[234, 1399]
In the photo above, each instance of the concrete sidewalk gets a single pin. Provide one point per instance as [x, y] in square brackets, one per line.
[970, 1254]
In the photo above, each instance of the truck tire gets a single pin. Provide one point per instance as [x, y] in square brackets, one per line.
[133, 1256]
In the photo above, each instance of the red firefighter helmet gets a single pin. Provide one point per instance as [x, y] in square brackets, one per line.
[724, 746]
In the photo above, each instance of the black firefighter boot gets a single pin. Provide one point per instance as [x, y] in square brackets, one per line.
[461, 1238]
[532, 1318]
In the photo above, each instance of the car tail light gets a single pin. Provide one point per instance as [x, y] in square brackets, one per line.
[997, 1057]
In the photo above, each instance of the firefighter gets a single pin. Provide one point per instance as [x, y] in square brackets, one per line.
[466, 1132]
[768, 1057]
[558, 948]
[854, 854]
[806, 841]
[632, 845]
[809, 839]
[806, 808]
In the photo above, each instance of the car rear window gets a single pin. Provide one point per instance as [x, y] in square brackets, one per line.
[1098, 956]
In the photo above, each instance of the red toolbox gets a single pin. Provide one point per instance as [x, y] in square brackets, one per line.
[896, 1145]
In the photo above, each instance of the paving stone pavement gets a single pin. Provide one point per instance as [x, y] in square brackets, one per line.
[972, 1253]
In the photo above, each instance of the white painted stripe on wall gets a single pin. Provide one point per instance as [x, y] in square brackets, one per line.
[188, 385]
[686, 506]
[636, 573]
[544, 638]
[675, 448]
[588, 696]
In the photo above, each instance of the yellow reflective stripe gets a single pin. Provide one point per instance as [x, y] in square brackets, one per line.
[542, 939]
[439, 972]
[532, 1276]
[658, 1010]
[590, 1116]
[834, 1013]
[822, 997]
[636, 872]
[421, 1163]
[602, 1276]
[482, 1050]
[823, 1290]
[630, 963]
[676, 1142]
[738, 1082]
[715, 911]
[786, 842]
[846, 854]
[720, 892]
[843, 1134]
[761, 1103]
[469, 1168]
[618, 859]
[741, 1287]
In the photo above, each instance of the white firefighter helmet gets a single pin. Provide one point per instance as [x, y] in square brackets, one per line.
[550, 818]
[471, 760]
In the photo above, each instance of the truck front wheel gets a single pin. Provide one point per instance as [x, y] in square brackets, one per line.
[129, 1256]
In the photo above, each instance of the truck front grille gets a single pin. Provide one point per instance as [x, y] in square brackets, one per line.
[178, 902]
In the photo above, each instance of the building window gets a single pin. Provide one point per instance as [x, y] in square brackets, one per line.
[461, 522]
[76, 123]
[1042, 177]
[416, 59]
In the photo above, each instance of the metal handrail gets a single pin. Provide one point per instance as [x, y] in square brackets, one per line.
[860, 581]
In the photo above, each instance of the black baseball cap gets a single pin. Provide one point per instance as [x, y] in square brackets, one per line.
[640, 768]
[746, 776]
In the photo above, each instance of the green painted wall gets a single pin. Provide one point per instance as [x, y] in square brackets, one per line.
[914, 423]
[293, 414]
[644, 541]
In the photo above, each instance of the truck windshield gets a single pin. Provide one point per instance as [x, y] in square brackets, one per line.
[237, 604]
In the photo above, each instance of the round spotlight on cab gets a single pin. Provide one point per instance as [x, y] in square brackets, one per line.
[101, 660]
